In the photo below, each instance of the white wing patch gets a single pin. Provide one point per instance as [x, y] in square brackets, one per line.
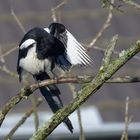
[27, 43]
[76, 53]
[47, 30]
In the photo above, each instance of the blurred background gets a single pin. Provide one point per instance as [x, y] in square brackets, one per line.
[103, 115]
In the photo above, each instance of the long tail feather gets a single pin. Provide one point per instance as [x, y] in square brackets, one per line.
[51, 94]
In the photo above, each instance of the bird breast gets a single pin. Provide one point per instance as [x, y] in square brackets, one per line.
[32, 64]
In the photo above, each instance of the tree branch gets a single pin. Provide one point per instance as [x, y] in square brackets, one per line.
[108, 53]
[86, 92]
[16, 19]
[103, 28]
[79, 117]
[132, 3]
[56, 8]
[23, 119]
[127, 120]
[26, 91]
[8, 52]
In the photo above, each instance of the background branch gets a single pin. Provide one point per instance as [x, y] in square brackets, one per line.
[16, 18]
[22, 120]
[8, 52]
[56, 8]
[26, 91]
[103, 28]
[127, 120]
[81, 135]
[132, 3]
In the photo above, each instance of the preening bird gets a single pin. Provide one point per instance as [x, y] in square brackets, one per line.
[41, 49]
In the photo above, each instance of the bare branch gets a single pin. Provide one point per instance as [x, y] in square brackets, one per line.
[79, 79]
[16, 19]
[115, 52]
[23, 119]
[132, 3]
[127, 121]
[20, 26]
[109, 51]
[82, 135]
[53, 15]
[56, 8]
[26, 91]
[9, 72]
[2, 60]
[103, 28]
[125, 79]
[8, 52]
[36, 118]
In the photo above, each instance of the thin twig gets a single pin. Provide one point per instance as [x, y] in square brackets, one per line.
[127, 120]
[3, 67]
[82, 135]
[9, 72]
[60, 4]
[2, 60]
[56, 8]
[8, 52]
[53, 15]
[103, 28]
[36, 120]
[109, 51]
[22, 120]
[33, 102]
[103, 50]
[16, 18]
[20, 26]
[132, 3]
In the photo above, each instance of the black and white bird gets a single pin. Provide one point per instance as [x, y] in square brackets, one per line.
[43, 48]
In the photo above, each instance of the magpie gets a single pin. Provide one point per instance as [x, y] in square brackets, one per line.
[41, 49]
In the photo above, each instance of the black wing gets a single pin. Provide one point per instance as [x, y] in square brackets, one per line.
[75, 52]
[47, 44]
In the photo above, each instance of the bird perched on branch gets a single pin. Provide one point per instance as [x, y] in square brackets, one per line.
[41, 49]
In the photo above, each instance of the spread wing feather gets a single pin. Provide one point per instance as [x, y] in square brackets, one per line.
[75, 53]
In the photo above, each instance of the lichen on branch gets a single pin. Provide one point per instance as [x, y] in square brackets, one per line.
[86, 92]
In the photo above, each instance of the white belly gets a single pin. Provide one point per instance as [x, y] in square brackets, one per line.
[32, 64]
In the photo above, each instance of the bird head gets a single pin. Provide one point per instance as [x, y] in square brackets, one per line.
[56, 29]
[33, 38]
